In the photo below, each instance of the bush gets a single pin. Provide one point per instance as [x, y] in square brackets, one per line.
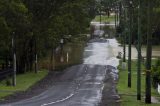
[156, 74]
[8, 81]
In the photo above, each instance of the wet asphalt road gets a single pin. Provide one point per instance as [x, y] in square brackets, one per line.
[81, 85]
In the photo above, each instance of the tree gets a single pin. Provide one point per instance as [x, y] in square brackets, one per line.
[39, 25]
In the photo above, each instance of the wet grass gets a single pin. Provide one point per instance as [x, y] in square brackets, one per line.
[131, 101]
[128, 95]
[104, 18]
[24, 81]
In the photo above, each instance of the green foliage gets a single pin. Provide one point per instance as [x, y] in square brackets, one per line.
[4, 32]
[156, 74]
[41, 22]
[155, 22]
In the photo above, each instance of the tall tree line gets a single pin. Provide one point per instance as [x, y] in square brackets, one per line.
[38, 26]
[154, 16]
[107, 5]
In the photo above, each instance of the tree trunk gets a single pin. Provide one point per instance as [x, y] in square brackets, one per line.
[52, 65]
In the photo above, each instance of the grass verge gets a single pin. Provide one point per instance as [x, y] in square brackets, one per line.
[24, 81]
[104, 18]
[128, 95]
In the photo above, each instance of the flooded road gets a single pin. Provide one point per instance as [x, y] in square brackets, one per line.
[102, 52]
[84, 84]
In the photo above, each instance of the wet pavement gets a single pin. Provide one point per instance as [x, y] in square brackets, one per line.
[102, 52]
[92, 83]
[83, 85]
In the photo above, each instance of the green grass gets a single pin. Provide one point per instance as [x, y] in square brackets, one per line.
[24, 81]
[131, 101]
[128, 95]
[104, 19]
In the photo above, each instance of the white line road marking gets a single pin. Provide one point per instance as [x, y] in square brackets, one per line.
[46, 104]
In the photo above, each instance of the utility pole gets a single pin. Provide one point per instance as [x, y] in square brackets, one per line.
[149, 56]
[100, 14]
[115, 17]
[14, 60]
[61, 46]
[129, 44]
[35, 55]
[139, 54]
[120, 13]
[124, 49]
[123, 34]
[124, 45]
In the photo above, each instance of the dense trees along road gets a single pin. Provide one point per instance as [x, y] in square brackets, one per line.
[82, 85]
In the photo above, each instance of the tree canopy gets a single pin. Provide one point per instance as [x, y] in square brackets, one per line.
[42, 21]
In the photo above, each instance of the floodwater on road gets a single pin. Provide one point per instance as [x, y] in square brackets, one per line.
[84, 84]
[134, 53]
[102, 53]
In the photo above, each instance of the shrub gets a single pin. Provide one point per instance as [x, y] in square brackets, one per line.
[156, 74]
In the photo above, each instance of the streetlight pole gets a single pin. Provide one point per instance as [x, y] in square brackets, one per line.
[139, 54]
[14, 59]
[149, 56]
